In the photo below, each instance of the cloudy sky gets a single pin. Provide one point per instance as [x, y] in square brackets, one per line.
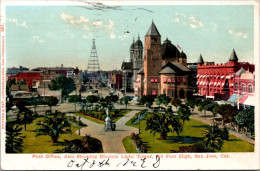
[55, 35]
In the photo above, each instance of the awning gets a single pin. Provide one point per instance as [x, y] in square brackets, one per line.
[169, 80]
[250, 101]
[198, 75]
[215, 83]
[222, 84]
[233, 98]
[243, 99]
[228, 77]
[210, 83]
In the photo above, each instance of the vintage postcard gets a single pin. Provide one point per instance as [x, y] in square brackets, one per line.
[129, 85]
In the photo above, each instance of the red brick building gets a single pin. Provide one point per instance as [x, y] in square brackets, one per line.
[116, 80]
[30, 77]
[217, 81]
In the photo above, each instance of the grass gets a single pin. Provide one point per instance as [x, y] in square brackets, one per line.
[120, 115]
[191, 134]
[114, 119]
[129, 146]
[42, 144]
[90, 118]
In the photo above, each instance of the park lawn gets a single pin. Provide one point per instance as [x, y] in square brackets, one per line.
[191, 134]
[42, 144]
[129, 146]
[103, 122]
[90, 118]
[120, 115]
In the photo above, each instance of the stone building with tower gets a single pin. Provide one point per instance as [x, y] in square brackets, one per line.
[164, 69]
[129, 69]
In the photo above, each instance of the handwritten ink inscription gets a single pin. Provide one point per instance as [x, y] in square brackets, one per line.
[121, 163]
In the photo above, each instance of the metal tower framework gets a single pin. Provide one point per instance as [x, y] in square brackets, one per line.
[93, 64]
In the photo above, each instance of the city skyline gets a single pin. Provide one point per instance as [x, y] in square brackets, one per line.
[67, 32]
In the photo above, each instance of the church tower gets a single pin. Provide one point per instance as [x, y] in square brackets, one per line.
[152, 61]
[137, 57]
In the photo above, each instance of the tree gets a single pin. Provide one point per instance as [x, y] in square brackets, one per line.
[126, 100]
[176, 102]
[20, 104]
[86, 145]
[245, 119]
[162, 124]
[111, 99]
[25, 116]
[228, 113]
[74, 99]
[212, 138]
[92, 99]
[9, 83]
[210, 107]
[21, 82]
[53, 126]
[191, 104]
[14, 138]
[66, 85]
[35, 101]
[203, 106]
[163, 99]
[9, 105]
[51, 101]
[148, 99]
[184, 113]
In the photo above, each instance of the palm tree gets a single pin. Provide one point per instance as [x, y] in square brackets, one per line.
[126, 100]
[25, 116]
[53, 126]
[162, 124]
[213, 138]
[184, 113]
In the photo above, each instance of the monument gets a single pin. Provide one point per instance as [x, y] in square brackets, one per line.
[108, 122]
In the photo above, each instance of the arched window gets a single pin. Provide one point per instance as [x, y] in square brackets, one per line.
[243, 88]
[250, 89]
[236, 86]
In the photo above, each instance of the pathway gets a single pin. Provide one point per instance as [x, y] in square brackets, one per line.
[112, 140]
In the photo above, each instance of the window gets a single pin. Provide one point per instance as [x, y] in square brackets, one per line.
[243, 88]
[156, 80]
[154, 39]
[152, 80]
[169, 80]
[173, 79]
[250, 89]
[164, 79]
[236, 86]
[154, 92]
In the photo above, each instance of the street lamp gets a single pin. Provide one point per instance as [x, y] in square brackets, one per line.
[79, 127]
[139, 116]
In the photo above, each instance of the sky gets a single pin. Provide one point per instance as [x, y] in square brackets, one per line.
[54, 35]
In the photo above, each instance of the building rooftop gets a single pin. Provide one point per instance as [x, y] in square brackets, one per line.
[174, 68]
[152, 31]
